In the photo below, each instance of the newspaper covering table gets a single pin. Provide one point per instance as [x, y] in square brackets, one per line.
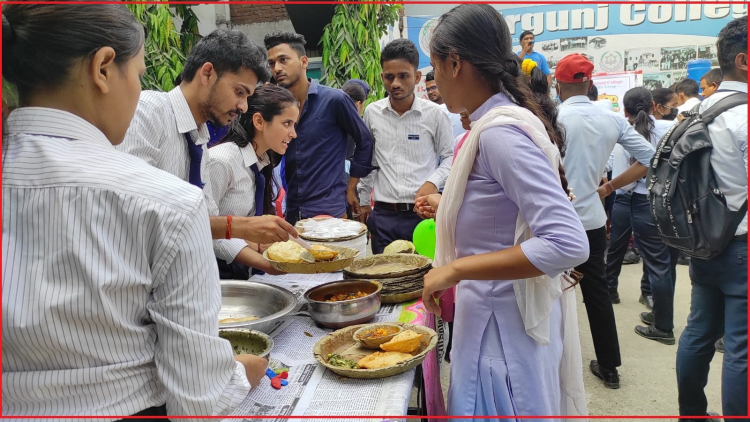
[313, 390]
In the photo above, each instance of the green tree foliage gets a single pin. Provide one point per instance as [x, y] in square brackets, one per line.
[166, 46]
[10, 94]
[351, 45]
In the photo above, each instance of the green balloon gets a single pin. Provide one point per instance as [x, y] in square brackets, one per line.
[424, 238]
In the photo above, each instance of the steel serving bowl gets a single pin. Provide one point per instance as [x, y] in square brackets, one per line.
[241, 299]
[248, 342]
[346, 312]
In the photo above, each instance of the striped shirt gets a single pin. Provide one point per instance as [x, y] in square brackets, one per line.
[157, 134]
[406, 150]
[110, 294]
[233, 189]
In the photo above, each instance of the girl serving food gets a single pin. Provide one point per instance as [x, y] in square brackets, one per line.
[506, 231]
[240, 171]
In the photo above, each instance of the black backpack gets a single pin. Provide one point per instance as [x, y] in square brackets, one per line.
[690, 211]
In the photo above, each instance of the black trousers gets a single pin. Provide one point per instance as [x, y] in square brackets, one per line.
[597, 301]
[151, 411]
[387, 226]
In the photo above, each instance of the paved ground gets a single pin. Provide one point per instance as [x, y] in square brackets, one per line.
[648, 383]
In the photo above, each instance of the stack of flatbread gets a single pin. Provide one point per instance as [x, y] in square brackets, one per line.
[291, 252]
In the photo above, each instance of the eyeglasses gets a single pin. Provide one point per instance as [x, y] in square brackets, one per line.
[432, 88]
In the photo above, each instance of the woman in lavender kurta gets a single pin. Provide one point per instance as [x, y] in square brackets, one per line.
[496, 367]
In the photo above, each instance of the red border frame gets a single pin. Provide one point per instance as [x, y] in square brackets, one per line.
[402, 2]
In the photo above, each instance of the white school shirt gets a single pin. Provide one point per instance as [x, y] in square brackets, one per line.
[406, 150]
[110, 293]
[622, 160]
[157, 135]
[591, 134]
[689, 104]
[728, 134]
[233, 186]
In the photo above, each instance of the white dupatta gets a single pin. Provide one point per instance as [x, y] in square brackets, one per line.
[535, 296]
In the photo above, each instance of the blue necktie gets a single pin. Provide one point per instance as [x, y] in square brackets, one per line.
[260, 187]
[196, 155]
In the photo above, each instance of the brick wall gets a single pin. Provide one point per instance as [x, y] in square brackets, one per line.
[243, 14]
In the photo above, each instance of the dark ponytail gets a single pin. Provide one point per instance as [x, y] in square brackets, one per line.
[42, 42]
[478, 34]
[270, 101]
[637, 103]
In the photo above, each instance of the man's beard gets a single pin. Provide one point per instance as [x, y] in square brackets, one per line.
[210, 108]
[289, 82]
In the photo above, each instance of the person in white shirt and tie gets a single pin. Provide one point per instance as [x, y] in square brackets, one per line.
[410, 135]
[111, 296]
[592, 133]
[240, 168]
[169, 128]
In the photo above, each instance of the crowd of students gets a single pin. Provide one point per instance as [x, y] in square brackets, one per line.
[119, 221]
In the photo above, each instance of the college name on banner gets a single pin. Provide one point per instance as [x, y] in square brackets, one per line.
[656, 39]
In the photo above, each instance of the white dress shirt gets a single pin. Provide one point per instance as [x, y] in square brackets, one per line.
[110, 293]
[622, 160]
[689, 104]
[592, 133]
[728, 134]
[233, 188]
[406, 150]
[157, 135]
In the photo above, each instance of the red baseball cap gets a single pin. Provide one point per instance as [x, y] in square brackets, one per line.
[574, 68]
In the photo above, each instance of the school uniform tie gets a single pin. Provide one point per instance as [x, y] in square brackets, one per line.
[260, 187]
[196, 155]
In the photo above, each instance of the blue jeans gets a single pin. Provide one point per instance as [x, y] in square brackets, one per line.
[659, 261]
[718, 307]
